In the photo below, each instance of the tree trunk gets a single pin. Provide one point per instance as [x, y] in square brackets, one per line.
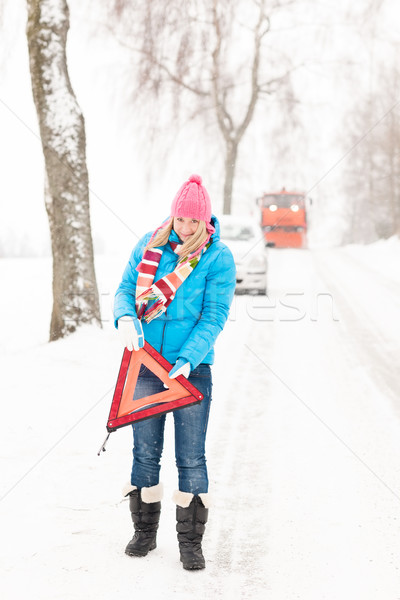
[62, 131]
[230, 167]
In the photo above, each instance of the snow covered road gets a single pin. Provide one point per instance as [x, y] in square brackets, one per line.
[333, 433]
[303, 450]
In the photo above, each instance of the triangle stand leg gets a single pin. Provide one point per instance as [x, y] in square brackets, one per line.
[103, 446]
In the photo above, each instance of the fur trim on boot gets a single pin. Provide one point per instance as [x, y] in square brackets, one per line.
[152, 494]
[149, 494]
[183, 499]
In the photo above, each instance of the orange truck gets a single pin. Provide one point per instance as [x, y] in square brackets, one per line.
[284, 219]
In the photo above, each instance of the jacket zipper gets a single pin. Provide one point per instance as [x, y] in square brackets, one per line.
[165, 324]
[162, 337]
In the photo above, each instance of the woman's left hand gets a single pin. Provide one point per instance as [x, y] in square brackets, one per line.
[182, 367]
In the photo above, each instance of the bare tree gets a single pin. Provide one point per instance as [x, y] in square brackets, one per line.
[209, 51]
[233, 132]
[62, 131]
[372, 177]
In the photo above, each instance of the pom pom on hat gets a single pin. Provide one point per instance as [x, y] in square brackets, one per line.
[196, 179]
[192, 201]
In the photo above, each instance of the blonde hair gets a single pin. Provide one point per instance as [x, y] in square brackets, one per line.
[189, 247]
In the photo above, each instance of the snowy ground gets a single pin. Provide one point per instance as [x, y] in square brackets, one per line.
[303, 452]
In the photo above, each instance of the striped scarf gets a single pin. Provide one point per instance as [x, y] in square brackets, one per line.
[162, 291]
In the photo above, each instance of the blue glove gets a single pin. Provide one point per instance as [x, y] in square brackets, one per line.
[131, 332]
[182, 367]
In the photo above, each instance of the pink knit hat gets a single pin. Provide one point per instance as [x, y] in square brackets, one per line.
[192, 201]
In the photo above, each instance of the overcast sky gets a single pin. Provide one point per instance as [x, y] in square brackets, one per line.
[340, 52]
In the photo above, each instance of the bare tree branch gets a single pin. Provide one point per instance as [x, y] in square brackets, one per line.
[224, 119]
[260, 32]
[190, 43]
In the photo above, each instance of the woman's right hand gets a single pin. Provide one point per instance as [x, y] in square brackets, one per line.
[131, 333]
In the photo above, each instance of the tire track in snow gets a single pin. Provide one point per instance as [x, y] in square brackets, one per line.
[331, 525]
[392, 286]
[370, 336]
[238, 538]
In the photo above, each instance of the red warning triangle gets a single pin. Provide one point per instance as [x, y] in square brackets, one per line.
[124, 410]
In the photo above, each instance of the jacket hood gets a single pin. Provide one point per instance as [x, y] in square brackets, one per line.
[216, 235]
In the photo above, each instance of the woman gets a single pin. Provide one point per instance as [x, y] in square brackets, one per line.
[175, 293]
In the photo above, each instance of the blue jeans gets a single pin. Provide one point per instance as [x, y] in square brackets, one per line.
[190, 435]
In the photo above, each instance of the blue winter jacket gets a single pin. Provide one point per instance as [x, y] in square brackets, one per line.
[190, 326]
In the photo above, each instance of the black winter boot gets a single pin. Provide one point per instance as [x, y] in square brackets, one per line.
[191, 517]
[145, 506]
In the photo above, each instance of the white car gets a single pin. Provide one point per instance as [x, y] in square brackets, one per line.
[244, 236]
